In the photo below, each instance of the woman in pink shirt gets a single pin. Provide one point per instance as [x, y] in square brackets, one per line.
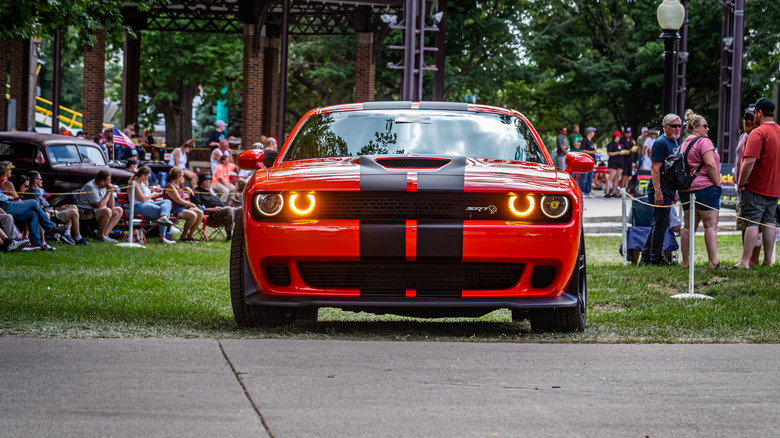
[706, 187]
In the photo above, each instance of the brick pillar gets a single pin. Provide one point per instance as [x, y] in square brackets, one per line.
[365, 67]
[252, 93]
[94, 85]
[3, 80]
[271, 87]
[19, 81]
[131, 76]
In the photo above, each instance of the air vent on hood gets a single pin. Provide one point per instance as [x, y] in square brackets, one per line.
[413, 162]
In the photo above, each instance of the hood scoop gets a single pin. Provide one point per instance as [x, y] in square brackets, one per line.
[413, 162]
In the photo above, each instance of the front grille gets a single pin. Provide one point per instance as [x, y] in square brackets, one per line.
[427, 276]
[419, 163]
[543, 276]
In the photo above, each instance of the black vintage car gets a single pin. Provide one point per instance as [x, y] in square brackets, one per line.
[65, 163]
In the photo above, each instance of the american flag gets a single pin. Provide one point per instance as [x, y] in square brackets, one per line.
[121, 138]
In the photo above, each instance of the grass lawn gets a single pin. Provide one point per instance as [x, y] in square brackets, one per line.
[182, 291]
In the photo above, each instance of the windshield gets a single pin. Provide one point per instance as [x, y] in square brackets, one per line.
[402, 132]
[71, 154]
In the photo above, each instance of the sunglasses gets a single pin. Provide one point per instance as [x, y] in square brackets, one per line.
[706, 126]
[675, 126]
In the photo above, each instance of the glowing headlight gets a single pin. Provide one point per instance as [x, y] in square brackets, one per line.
[269, 204]
[555, 206]
[523, 213]
[294, 206]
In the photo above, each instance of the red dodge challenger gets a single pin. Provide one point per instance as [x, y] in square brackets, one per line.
[426, 209]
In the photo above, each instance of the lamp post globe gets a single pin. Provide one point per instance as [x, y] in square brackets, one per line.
[671, 15]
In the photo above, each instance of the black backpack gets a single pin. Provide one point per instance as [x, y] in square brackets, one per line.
[675, 173]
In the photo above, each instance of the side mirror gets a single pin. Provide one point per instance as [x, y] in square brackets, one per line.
[579, 162]
[251, 159]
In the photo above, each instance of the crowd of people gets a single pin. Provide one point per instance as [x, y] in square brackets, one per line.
[188, 200]
[756, 172]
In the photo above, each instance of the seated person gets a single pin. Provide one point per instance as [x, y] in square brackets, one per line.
[131, 165]
[98, 196]
[179, 159]
[10, 237]
[222, 185]
[27, 211]
[5, 182]
[219, 214]
[184, 209]
[22, 186]
[145, 204]
[67, 214]
[123, 153]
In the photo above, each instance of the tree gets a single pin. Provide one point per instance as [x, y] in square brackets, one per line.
[39, 18]
[176, 65]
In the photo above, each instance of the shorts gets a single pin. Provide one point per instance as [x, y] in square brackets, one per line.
[709, 196]
[61, 215]
[614, 164]
[628, 168]
[177, 210]
[755, 208]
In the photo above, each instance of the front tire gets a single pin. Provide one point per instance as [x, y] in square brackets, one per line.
[249, 315]
[567, 319]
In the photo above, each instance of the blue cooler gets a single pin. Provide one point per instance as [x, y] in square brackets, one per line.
[162, 177]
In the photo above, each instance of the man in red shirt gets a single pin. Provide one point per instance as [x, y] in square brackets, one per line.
[759, 182]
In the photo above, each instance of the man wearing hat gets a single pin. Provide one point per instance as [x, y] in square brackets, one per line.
[219, 214]
[759, 182]
[131, 165]
[587, 147]
[217, 135]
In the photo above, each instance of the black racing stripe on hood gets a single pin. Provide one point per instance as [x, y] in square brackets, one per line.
[451, 177]
[382, 240]
[374, 177]
[440, 241]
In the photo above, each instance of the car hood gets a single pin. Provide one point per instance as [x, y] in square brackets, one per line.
[365, 173]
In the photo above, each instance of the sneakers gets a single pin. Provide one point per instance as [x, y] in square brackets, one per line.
[108, 239]
[163, 220]
[167, 241]
[31, 248]
[67, 239]
[45, 246]
[17, 245]
[83, 241]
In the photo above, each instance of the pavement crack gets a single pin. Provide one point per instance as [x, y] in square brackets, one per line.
[237, 375]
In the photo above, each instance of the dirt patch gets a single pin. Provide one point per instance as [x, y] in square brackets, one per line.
[663, 288]
[606, 307]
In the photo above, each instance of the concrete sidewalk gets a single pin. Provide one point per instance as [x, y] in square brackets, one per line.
[302, 388]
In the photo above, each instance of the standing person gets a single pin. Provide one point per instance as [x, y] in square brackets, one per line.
[270, 144]
[182, 207]
[562, 148]
[759, 182]
[218, 135]
[98, 195]
[179, 159]
[659, 194]
[747, 127]
[647, 146]
[706, 187]
[615, 165]
[628, 145]
[587, 147]
[575, 139]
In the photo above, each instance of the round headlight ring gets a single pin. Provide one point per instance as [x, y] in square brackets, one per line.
[269, 204]
[298, 211]
[523, 213]
[555, 206]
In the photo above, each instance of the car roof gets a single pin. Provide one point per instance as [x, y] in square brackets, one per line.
[415, 105]
[44, 139]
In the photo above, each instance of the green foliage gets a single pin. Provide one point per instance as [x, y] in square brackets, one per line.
[72, 71]
[39, 18]
[177, 65]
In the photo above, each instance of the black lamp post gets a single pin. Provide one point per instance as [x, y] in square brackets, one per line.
[671, 15]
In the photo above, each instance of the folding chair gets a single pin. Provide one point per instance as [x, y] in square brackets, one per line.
[140, 224]
[640, 219]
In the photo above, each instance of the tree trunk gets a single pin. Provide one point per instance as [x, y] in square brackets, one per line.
[178, 114]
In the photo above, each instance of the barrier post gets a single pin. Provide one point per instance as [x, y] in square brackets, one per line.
[130, 242]
[624, 229]
[691, 237]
